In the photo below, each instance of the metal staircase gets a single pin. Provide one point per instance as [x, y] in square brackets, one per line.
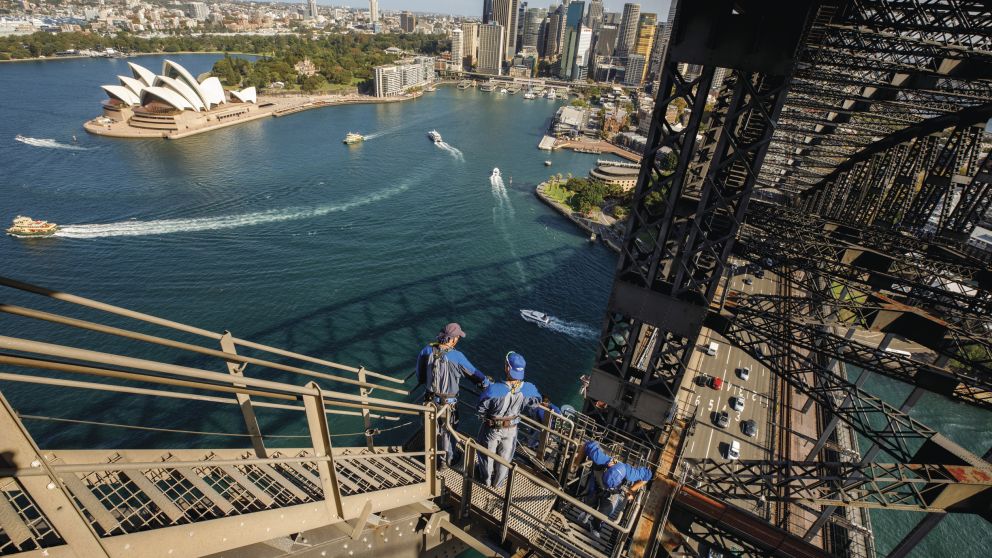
[245, 501]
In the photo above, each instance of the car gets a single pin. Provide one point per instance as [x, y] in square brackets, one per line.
[716, 383]
[744, 373]
[737, 404]
[749, 428]
[748, 281]
[721, 419]
[760, 273]
[712, 348]
[734, 450]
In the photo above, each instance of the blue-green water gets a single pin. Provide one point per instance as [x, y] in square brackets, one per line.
[278, 232]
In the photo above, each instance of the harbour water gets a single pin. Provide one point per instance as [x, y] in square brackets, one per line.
[277, 231]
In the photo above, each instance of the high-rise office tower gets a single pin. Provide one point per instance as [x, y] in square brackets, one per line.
[312, 9]
[504, 12]
[580, 67]
[646, 32]
[595, 16]
[532, 28]
[570, 45]
[605, 40]
[635, 69]
[628, 29]
[667, 34]
[654, 63]
[408, 22]
[554, 33]
[470, 39]
[492, 43]
[521, 13]
[374, 11]
[487, 11]
[457, 49]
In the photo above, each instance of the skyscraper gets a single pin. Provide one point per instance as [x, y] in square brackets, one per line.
[492, 43]
[470, 39]
[408, 22]
[457, 49]
[595, 16]
[635, 69]
[628, 29]
[570, 45]
[553, 35]
[646, 32]
[533, 18]
[374, 11]
[312, 9]
[504, 12]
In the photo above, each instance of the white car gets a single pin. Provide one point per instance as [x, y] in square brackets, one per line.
[744, 373]
[734, 450]
[737, 404]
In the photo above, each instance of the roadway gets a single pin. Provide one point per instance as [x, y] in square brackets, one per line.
[706, 440]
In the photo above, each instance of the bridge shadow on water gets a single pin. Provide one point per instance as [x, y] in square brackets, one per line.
[382, 329]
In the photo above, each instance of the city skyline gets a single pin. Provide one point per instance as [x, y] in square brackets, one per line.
[474, 7]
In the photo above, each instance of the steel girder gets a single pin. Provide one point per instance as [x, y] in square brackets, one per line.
[910, 487]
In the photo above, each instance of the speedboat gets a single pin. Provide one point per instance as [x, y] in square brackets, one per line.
[435, 137]
[547, 163]
[535, 316]
[496, 173]
[28, 227]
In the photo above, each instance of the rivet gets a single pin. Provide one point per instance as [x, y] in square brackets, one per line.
[51, 486]
[36, 463]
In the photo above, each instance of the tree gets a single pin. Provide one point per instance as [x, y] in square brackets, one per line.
[313, 83]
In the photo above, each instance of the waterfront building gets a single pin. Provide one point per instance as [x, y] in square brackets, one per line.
[398, 78]
[491, 41]
[470, 38]
[198, 11]
[628, 29]
[568, 122]
[408, 22]
[457, 48]
[173, 101]
[374, 11]
[622, 175]
[634, 72]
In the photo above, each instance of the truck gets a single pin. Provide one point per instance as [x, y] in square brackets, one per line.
[712, 348]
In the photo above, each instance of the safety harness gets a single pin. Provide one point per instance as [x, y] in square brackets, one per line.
[505, 422]
[432, 396]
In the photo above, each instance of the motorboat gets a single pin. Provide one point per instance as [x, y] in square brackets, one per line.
[435, 137]
[353, 138]
[547, 163]
[496, 173]
[529, 95]
[535, 316]
[503, 90]
[28, 227]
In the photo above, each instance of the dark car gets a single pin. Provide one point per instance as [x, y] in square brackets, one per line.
[748, 281]
[749, 428]
[721, 419]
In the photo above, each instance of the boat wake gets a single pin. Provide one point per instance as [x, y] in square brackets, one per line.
[499, 193]
[455, 152]
[49, 143]
[572, 329]
[170, 226]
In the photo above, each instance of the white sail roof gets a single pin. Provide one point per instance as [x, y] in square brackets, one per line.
[122, 94]
[142, 73]
[134, 85]
[173, 70]
[166, 95]
[183, 89]
[245, 95]
[214, 91]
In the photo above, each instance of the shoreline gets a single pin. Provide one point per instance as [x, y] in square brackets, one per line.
[276, 106]
[163, 53]
[583, 223]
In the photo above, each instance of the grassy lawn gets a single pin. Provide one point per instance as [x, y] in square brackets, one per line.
[557, 193]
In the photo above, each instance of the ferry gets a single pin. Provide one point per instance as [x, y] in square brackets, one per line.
[435, 137]
[487, 87]
[502, 90]
[551, 95]
[535, 316]
[353, 138]
[496, 173]
[27, 227]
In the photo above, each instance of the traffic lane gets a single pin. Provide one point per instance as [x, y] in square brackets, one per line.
[710, 441]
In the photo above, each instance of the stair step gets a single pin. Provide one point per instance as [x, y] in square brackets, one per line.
[251, 487]
[152, 492]
[208, 491]
[283, 481]
[11, 523]
[82, 493]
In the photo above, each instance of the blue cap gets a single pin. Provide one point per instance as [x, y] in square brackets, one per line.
[615, 475]
[517, 365]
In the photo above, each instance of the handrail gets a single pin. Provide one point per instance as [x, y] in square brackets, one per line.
[148, 318]
[478, 448]
[50, 349]
[230, 357]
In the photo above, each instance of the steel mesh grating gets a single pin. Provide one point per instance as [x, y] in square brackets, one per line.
[43, 534]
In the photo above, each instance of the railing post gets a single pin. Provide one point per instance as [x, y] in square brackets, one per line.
[507, 502]
[320, 434]
[430, 447]
[468, 463]
[244, 400]
[366, 415]
[48, 492]
[542, 446]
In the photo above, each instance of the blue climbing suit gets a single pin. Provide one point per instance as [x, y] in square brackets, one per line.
[499, 407]
[441, 369]
[607, 491]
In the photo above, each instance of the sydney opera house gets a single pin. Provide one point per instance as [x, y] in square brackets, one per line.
[172, 104]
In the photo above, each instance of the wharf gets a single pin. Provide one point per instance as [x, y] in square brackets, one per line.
[581, 145]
